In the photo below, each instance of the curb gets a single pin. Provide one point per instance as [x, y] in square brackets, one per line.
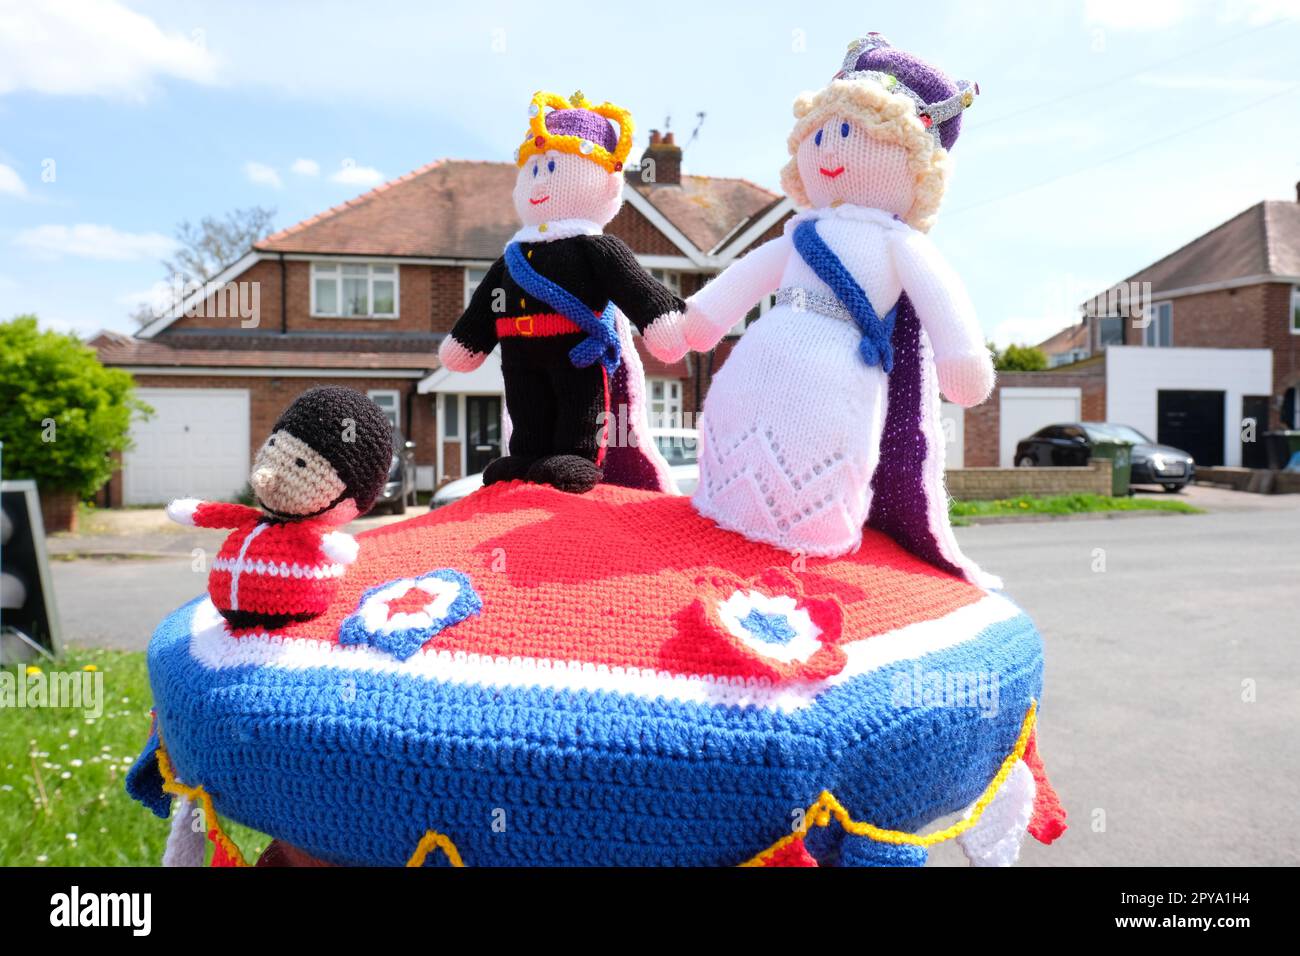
[1080, 516]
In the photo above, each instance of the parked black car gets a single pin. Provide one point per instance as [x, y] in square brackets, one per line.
[1071, 444]
[399, 488]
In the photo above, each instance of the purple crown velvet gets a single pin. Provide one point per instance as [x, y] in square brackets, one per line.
[928, 82]
[584, 124]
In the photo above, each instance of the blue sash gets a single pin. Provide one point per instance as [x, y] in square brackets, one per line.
[876, 347]
[601, 343]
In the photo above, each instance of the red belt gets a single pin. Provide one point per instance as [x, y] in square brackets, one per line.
[548, 323]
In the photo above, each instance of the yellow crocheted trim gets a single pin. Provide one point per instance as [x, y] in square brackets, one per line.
[613, 162]
[174, 786]
[826, 807]
[428, 842]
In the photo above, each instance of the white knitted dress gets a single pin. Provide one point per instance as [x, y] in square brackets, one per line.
[790, 430]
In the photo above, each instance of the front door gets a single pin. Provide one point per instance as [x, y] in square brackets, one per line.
[482, 431]
[1192, 422]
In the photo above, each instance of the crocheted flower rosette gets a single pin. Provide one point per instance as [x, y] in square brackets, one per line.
[608, 679]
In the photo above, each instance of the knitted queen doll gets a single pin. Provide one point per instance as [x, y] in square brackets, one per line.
[324, 464]
[825, 418]
[559, 300]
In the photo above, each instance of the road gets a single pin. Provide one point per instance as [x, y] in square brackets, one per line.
[1172, 692]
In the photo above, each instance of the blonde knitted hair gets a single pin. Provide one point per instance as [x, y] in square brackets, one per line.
[886, 116]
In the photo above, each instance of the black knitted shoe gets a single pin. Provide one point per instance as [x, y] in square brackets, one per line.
[571, 473]
[506, 468]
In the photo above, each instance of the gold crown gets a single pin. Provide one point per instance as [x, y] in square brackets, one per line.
[539, 140]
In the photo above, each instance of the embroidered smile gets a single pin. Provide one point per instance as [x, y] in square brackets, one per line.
[832, 173]
[538, 202]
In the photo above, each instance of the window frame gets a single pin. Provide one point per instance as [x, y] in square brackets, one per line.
[335, 266]
[397, 403]
[1161, 315]
[472, 287]
[674, 405]
[1294, 323]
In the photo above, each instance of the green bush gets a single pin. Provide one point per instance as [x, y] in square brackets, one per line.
[62, 414]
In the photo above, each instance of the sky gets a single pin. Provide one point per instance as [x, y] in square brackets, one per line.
[1107, 133]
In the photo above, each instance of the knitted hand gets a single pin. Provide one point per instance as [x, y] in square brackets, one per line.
[966, 379]
[665, 337]
[702, 331]
[457, 357]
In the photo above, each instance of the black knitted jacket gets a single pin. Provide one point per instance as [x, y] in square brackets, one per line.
[595, 269]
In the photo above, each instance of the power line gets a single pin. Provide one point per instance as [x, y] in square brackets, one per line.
[1128, 152]
[1125, 76]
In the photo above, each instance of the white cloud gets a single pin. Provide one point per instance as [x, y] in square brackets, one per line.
[11, 184]
[96, 47]
[305, 167]
[91, 241]
[262, 175]
[350, 174]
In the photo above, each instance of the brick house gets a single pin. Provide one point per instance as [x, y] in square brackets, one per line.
[362, 294]
[1187, 350]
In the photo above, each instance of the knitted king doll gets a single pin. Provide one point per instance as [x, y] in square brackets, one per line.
[324, 464]
[826, 416]
[554, 301]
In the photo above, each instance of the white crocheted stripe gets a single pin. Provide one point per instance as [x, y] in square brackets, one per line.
[185, 844]
[213, 646]
[274, 570]
[996, 838]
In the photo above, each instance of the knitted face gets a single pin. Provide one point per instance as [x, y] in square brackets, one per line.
[840, 161]
[290, 479]
[556, 185]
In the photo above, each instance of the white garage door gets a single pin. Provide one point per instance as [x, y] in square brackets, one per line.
[196, 444]
[1022, 411]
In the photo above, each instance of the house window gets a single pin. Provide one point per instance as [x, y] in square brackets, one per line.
[1159, 330]
[354, 290]
[669, 279]
[1110, 331]
[472, 279]
[1295, 310]
[752, 316]
[389, 403]
[665, 402]
[451, 416]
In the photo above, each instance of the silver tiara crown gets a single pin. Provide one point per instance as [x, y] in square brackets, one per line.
[932, 114]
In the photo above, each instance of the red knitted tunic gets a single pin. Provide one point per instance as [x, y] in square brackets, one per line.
[275, 567]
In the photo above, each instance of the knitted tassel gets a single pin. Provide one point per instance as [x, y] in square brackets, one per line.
[995, 838]
[185, 845]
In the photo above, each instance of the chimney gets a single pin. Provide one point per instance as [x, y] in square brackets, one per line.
[661, 163]
[1297, 192]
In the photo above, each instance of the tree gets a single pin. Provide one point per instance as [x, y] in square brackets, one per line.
[1020, 358]
[62, 414]
[208, 248]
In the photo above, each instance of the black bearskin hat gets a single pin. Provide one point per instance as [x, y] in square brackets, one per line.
[349, 431]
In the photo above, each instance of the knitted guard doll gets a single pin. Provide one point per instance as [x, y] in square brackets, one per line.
[826, 415]
[324, 464]
[555, 300]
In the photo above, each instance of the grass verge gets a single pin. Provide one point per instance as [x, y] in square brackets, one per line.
[63, 800]
[1063, 505]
